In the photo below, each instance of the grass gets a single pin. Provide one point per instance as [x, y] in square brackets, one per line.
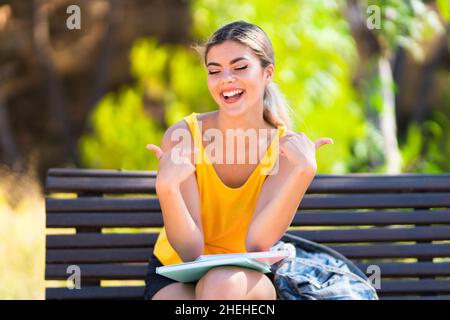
[22, 236]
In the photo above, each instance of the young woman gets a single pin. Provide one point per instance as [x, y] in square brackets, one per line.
[213, 207]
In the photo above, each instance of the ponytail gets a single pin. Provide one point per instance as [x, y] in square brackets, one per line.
[276, 109]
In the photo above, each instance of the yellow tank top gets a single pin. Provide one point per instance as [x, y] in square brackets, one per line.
[226, 212]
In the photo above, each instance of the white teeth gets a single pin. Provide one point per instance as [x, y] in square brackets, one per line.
[232, 93]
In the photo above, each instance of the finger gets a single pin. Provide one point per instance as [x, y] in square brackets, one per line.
[155, 149]
[322, 141]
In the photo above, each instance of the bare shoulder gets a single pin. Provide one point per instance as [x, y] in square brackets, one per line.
[179, 134]
[207, 118]
[174, 133]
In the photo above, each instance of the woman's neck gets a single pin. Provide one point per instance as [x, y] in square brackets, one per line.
[249, 120]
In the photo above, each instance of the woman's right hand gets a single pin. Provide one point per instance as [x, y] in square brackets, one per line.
[175, 166]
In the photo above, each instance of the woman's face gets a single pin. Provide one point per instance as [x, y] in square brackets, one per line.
[236, 79]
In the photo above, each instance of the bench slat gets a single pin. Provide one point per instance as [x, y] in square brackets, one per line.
[69, 172]
[77, 172]
[376, 234]
[106, 240]
[138, 272]
[141, 254]
[333, 201]
[101, 184]
[96, 204]
[387, 287]
[432, 297]
[361, 183]
[98, 271]
[376, 217]
[375, 201]
[399, 269]
[102, 240]
[70, 180]
[154, 219]
[415, 286]
[133, 292]
[105, 220]
[385, 251]
[98, 255]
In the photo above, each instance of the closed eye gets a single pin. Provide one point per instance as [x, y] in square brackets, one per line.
[240, 68]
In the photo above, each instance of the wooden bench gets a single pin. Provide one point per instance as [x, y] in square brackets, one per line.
[400, 223]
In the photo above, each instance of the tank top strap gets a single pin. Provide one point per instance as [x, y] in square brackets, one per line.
[270, 157]
[196, 132]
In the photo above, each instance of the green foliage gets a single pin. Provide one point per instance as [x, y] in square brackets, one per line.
[427, 147]
[444, 9]
[316, 59]
[367, 153]
[122, 130]
[171, 74]
[167, 75]
[406, 23]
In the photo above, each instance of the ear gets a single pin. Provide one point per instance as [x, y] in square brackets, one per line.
[268, 73]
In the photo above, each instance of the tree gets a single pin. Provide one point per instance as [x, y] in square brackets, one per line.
[380, 28]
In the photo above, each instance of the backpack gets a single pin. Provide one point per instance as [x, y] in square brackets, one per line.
[316, 272]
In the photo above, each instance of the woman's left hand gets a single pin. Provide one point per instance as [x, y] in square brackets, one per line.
[300, 150]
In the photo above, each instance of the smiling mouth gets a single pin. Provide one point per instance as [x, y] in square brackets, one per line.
[232, 96]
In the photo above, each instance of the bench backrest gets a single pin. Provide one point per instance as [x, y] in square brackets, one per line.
[400, 223]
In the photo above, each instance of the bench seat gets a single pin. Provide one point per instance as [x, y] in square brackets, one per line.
[107, 221]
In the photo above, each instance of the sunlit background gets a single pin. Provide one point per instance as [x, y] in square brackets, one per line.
[373, 75]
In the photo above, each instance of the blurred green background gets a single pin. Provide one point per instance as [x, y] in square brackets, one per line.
[373, 75]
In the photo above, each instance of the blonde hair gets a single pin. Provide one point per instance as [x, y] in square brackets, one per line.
[276, 109]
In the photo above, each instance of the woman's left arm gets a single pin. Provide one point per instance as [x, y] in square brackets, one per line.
[282, 192]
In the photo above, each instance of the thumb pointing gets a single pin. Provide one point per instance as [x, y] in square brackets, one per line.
[155, 149]
[323, 141]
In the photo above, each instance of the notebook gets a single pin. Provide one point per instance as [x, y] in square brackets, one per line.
[192, 271]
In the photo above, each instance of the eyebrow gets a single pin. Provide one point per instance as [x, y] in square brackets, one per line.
[231, 62]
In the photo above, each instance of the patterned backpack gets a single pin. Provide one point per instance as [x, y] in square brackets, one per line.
[316, 272]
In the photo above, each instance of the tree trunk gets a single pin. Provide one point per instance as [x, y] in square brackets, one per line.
[8, 147]
[387, 117]
[55, 89]
[100, 72]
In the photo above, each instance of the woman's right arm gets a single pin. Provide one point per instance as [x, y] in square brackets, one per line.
[177, 190]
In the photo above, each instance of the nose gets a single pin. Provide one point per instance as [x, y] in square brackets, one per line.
[228, 76]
